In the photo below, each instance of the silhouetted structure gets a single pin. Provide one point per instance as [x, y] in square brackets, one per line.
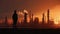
[6, 20]
[36, 20]
[43, 18]
[48, 16]
[51, 22]
[25, 17]
[15, 18]
[31, 20]
[32, 17]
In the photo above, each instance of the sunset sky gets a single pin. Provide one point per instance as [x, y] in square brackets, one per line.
[36, 6]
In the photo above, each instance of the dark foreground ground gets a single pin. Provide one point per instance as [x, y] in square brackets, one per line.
[29, 30]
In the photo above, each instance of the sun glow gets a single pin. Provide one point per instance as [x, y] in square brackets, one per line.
[56, 20]
[55, 13]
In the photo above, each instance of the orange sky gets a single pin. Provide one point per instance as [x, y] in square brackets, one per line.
[36, 6]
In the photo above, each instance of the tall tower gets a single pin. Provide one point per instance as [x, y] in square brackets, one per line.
[43, 18]
[6, 20]
[30, 14]
[48, 16]
[25, 17]
[31, 17]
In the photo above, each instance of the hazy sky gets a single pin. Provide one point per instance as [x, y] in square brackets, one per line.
[36, 6]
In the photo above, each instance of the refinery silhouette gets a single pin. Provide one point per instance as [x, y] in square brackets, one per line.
[33, 23]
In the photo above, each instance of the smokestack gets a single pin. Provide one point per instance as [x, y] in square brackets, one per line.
[43, 18]
[31, 17]
[48, 16]
[30, 14]
[25, 17]
[6, 20]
